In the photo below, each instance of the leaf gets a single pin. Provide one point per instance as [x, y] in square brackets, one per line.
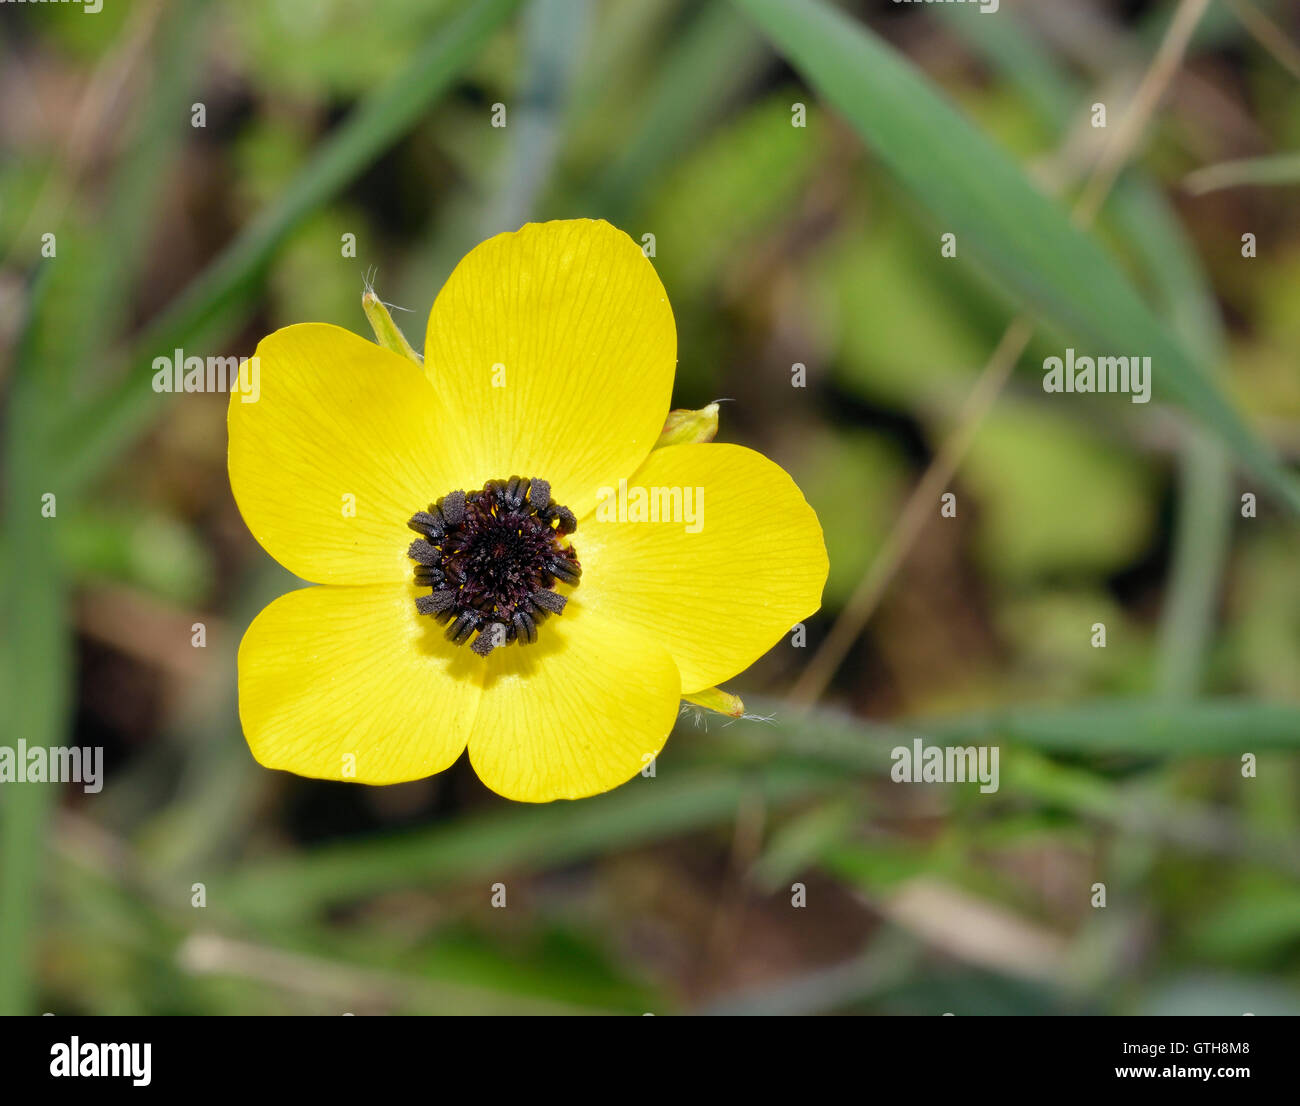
[1055, 495]
[1181, 292]
[705, 65]
[1025, 240]
[36, 667]
[1278, 169]
[1136, 727]
[509, 838]
[1202, 994]
[717, 201]
[836, 468]
[105, 424]
[35, 653]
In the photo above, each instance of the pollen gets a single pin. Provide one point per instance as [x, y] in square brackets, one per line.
[492, 559]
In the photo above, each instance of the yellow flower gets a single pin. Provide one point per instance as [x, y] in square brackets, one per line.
[549, 359]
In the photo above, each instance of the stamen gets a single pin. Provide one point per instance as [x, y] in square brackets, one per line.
[452, 506]
[563, 571]
[567, 522]
[423, 522]
[491, 559]
[489, 638]
[549, 601]
[424, 553]
[524, 626]
[437, 602]
[466, 623]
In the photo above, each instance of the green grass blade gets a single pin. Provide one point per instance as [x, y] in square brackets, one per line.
[106, 424]
[1025, 240]
[508, 839]
[1183, 296]
[554, 32]
[1278, 169]
[36, 654]
[140, 180]
[712, 58]
[1136, 727]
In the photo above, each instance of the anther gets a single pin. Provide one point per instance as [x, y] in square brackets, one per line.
[464, 625]
[567, 522]
[422, 522]
[452, 506]
[549, 601]
[424, 553]
[564, 571]
[524, 627]
[539, 494]
[435, 603]
[489, 638]
[490, 559]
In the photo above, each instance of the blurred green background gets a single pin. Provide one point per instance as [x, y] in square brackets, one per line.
[778, 244]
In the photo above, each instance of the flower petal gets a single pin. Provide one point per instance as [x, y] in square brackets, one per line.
[719, 598]
[555, 347]
[331, 671]
[574, 714]
[337, 417]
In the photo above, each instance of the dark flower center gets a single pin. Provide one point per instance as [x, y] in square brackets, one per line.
[492, 559]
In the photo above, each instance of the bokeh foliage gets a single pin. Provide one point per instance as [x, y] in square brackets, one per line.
[777, 245]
